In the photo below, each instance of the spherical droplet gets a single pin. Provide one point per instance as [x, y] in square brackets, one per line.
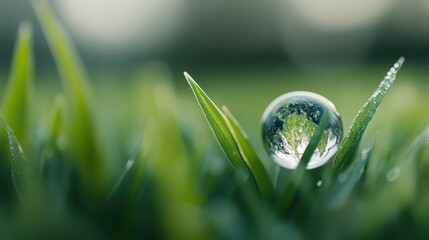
[290, 121]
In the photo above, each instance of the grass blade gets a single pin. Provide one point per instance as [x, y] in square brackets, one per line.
[223, 132]
[395, 194]
[136, 169]
[170, 171]
[16, 104]
[19, 169]
[263, 180]
[414, 150]
[54, 167]
[298, 174]
[69, 64]
[80, 125]
[346, 182]
[123, 179]
[362, 119]
[57, 118]
[219, 125]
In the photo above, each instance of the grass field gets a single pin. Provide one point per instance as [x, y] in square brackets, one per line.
[116, 156]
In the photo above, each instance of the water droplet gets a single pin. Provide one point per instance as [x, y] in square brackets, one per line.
[393, 174]
[319, 183]
[289, 123]
[129, 164]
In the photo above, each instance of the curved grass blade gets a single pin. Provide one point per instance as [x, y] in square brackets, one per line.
[397, 192]
[69, 64]
[362, 119]
[126, 174]
[80, 127]
[249, 155]
[298, 174]
[16, 104]
[57, 118]
[54, 167]
[414, 150]
[346, 182]
[219, 125]
[136, 169]
[19, 169]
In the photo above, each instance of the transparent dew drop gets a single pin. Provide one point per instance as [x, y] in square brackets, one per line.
[290, 121]
[393, 174]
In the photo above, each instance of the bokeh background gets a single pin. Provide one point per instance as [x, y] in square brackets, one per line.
[244, 53]
[308, 34]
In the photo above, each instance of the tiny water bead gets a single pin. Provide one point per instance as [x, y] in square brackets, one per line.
[288, 125]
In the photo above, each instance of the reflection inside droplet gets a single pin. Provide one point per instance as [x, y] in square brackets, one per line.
[289, 123]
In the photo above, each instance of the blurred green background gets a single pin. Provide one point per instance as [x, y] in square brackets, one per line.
[243, 53]
[259, 50]
[313, 35]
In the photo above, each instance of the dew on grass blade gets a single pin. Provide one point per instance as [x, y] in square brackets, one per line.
[289, 123]
[393, 174]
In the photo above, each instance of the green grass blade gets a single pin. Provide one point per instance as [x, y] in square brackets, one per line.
[69, 64]
[80, 127]
[393, 196]
[298, 174]
[57, 120]
[19, 169]
[317, 136]
[414, 150]
[346, 182]
[362, 119]
[136, 169]
[263, 180]
[16, 104]
[170, 170]
[223, 132]
[124, 178]
[219, 125]
[55, 167]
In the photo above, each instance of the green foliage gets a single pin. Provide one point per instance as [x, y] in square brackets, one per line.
[17, 106]
[265, 186]
[293, 134]
[19, 170]
[172, 182]
[79, 120]
[219, 126]
[17, 99]
[233, 141]
[298, 174]
[362, 119]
